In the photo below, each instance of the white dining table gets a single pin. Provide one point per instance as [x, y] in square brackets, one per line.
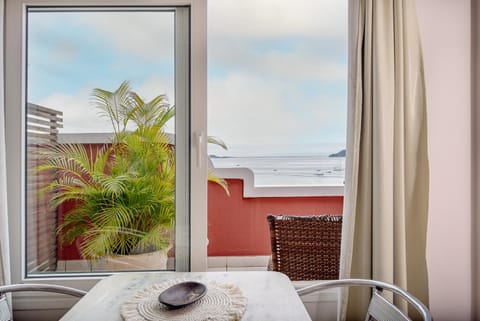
[270, 295]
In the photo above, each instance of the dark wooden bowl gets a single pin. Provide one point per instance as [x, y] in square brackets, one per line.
[182, 294]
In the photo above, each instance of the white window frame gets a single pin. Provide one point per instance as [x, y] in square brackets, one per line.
[195, 162]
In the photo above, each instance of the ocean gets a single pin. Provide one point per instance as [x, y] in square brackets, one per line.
[289, 170]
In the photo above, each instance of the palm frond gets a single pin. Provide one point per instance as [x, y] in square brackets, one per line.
[111, 185]
[74, 158]
[218, 180]
[158, 238]
[155, 112]
[98, 243]
[116, 106]
[115, 216]
[217, 141]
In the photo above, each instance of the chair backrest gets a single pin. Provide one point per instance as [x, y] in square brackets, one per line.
[5, 309]
[380, 308]
[306, 247]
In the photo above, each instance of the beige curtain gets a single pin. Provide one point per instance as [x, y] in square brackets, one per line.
[4, 247]
[386, 190]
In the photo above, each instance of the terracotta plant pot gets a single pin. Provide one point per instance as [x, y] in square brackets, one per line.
[156, 260]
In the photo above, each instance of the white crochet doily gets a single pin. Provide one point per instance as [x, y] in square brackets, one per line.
[222, 302]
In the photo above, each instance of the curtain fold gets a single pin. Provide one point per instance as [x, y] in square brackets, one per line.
[4, 245]
[386, 188]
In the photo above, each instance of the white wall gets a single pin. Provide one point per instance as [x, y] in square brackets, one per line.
[445, 31]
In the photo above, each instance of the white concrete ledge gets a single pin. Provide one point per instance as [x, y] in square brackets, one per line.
[85, 138]
[94, 138]
[252, 191]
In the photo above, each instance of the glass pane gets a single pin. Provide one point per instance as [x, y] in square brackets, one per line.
[100, 148]
[279, 71]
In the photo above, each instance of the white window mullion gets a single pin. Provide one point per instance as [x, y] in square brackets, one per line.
[182, 142]
[198, 135]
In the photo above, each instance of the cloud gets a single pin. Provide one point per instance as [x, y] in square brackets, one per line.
[79, 116]
[276, 18]
[154, 86]
[302, 63]
[149, 35]
[244, 109]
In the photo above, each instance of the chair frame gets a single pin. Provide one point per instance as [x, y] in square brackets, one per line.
[41, 288]
[5, 310]
[379, 307]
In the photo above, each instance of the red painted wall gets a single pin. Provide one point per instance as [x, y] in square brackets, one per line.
[237, 226]
[71, 251]
[66, 251]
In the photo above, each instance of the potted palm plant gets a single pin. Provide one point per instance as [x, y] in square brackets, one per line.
[124, 191]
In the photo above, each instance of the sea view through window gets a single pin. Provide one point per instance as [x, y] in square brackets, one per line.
[277, 89]
[282, 169]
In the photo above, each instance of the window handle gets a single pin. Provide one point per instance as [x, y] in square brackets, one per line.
[200, 138]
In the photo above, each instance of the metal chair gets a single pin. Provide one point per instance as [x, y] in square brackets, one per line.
[4, 308]
[306, 247]
[379, 309]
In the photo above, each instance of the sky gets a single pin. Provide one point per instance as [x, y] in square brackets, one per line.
[276, 71]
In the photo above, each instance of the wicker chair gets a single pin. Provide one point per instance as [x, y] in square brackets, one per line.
[306, 247]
